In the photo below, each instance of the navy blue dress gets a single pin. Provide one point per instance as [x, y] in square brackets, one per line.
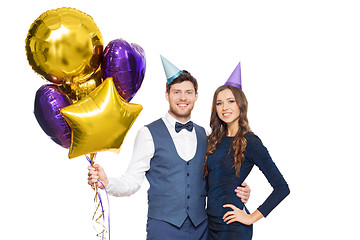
[222, 182]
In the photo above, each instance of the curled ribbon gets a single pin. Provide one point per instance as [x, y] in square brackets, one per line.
[99, 214]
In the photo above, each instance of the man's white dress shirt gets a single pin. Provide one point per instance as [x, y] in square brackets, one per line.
[130, 182]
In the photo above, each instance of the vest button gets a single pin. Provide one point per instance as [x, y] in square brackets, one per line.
[188, 174]
[188, 185]
[187, 163]
[188, 197]
[187, 208]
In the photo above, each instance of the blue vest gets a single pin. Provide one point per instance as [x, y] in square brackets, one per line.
[177, 188]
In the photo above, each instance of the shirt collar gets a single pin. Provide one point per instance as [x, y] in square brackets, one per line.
[170, 119]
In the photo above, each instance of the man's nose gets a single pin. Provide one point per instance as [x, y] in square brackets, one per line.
[183, 96]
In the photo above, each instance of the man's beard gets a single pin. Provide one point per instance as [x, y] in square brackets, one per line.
[180, 114]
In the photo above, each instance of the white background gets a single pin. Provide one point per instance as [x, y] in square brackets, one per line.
[300, 71]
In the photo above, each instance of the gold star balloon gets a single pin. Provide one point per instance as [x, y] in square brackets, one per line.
[99, 121]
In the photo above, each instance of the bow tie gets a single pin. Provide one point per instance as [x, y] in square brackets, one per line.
[188, 126]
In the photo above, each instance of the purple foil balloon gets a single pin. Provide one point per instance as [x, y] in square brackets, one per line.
[49, 100]
[126, 64]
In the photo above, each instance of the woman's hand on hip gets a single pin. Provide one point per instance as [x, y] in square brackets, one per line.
[236, 215]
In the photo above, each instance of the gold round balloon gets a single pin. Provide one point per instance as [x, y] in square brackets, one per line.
[64, 45]
[77, 91]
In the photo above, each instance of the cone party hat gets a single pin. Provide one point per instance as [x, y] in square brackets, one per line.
[171, 71]
[235, 78]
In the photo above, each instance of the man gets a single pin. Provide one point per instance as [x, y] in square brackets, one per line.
[170, 152]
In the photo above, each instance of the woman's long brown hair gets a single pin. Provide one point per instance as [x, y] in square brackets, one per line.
[219, 129]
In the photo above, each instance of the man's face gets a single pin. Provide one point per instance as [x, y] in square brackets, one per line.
[181, 98]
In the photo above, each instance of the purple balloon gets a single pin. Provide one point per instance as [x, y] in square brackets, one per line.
[126, 64]
[49, 100]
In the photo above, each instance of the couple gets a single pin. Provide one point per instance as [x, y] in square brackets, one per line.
[183, 166]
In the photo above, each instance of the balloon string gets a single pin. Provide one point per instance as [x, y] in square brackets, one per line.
[108, 204]
[100, 205]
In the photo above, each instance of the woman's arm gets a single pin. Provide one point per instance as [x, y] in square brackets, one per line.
[259, 155]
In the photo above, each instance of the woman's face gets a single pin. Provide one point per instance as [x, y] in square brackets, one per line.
[226, 107]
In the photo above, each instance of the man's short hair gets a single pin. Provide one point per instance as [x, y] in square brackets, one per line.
[185, 76]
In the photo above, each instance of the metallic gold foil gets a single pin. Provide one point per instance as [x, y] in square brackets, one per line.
[99, 121]
[64, 46]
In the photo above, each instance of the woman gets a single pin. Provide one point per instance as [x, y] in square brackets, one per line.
[232, 152]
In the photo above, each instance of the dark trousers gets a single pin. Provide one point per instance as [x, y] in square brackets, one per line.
[160, 230]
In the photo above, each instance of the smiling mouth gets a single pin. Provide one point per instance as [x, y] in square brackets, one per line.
[226, 114]
[182, 105]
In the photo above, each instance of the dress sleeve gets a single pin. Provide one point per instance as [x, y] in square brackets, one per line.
[258, 154]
